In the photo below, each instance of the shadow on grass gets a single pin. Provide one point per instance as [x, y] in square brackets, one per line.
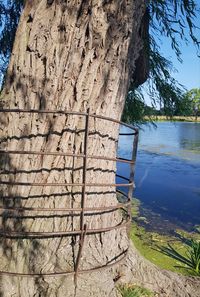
[190, 261]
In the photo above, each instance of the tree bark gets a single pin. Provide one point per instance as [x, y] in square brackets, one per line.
[68, 55]
[138, 270]
[71, 55]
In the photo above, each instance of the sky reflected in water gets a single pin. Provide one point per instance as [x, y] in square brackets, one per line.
[167, 171]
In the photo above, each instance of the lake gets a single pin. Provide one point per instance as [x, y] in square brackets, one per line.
[167, 175]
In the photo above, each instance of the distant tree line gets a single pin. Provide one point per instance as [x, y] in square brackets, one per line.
[190, 104]
[187, 105]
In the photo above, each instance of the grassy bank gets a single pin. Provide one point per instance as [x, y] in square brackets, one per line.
[130, 290]
[149, 243]
[176, 119]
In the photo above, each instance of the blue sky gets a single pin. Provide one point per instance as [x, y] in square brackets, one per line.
[188, 72]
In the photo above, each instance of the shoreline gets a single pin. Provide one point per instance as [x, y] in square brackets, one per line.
[148, 242]
[191, 119]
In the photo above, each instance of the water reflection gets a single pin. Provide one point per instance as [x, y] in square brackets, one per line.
[189, 136]
[167, 171]
[177, 139]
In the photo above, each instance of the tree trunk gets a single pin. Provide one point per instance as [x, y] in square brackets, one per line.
[138, 270]
[68, 55]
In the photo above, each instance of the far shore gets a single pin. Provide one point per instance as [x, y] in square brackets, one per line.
[176, 118]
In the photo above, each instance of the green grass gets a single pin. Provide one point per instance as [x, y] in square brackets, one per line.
[176, 118]
[191, 259]
[134, 291]
[150, 244]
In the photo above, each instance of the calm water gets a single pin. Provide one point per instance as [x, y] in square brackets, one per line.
[167, 174]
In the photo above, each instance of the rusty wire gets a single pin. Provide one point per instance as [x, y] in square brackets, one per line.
[88, 209]
[122, 160]
[84, 230]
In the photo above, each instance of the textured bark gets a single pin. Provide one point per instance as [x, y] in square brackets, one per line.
[71, 55]
[137, 270]
[68, 55]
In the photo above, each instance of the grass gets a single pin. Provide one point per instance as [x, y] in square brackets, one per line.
[164, 251]
[150, 244]
[191, 260]
[176, 118]
[134, 291]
